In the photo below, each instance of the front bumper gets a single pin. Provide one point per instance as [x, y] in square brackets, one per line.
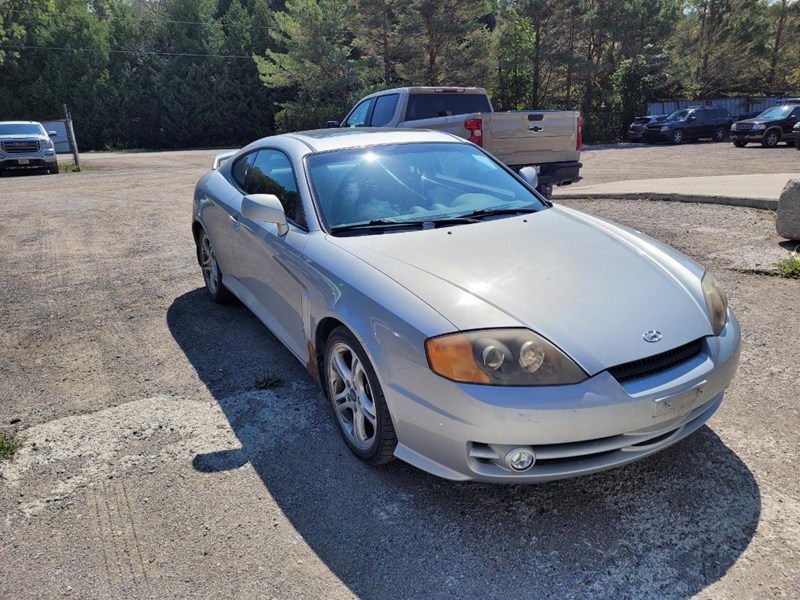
[32, 160]
[652, 137]
[462, 432]
[746, 136]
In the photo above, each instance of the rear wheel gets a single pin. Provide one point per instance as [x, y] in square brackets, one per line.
[720, 134]
[211, 273]
[357, 399]
[739, 143]
[677, 136]
[770, 139]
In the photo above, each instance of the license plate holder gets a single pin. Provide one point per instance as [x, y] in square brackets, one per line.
[24, 161]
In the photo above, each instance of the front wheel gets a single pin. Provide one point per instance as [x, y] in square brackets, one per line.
[211, 273]
[719, 134]
[770, 139]
[357, 399]
[677, 136]
[739, 143]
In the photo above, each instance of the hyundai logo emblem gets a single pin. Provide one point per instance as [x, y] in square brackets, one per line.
[652, 336]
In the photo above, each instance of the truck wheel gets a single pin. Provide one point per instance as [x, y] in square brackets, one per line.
[53, 169]
[739, 143]
[720, 134]
[545, 189]
[677, 136]
[770, 139]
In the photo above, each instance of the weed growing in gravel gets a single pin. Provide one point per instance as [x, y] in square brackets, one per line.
[267, 382]
[790, 266]
[9, 444]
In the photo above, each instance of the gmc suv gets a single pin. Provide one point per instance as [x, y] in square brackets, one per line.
[25, 145]
[770, 127]
[691, 123]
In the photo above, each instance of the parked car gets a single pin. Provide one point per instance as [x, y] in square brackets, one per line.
[549, 140]
[637, 128]
[796, 133]
[26, 145]
[449, 312]
[771, 127]
[691, 124]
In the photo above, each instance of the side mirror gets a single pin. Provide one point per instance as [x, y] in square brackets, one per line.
[530, 176]
[267, 209]
[52, 133]
[332, 124]
[692, 118]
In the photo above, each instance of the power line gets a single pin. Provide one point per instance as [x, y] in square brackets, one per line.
[108, 17]
[134, 52]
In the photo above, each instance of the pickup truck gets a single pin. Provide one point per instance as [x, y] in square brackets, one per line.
[548, 140]
[26, 145]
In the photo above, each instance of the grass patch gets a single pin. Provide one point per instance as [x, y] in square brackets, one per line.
[9, 445]
[790, 266]
[72, 168]
[267, 382]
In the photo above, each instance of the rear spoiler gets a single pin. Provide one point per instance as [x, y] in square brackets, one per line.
[221, 158]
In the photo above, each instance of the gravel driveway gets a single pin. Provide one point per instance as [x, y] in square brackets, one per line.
[153, 467]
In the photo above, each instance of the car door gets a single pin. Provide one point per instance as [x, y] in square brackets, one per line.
[789, 123]
[271, 266]
[697, 124]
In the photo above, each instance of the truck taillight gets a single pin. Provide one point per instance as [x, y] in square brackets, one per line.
[475, 128]
[579, 145]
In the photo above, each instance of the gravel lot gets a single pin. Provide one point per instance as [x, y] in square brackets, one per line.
[153, 468]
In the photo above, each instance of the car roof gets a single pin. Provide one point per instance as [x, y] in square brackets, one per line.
[323, 140]
[20, 123]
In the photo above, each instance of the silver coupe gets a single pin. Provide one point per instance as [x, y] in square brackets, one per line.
[456, 319]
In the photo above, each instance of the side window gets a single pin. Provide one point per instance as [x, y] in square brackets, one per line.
[699, 116]
[360, 114]
[241, 168]
[795, 114]
[384, 110]
[272, 173]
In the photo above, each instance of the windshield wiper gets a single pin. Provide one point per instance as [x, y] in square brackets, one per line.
[389, 224]
[491, 212]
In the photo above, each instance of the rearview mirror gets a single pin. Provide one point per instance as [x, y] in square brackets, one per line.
[267, 209]
[332, 125]
[530, 176]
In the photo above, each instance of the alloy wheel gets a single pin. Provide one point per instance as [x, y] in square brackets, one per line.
[352, 396]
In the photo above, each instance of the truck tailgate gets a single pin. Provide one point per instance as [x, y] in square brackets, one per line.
[519, 138]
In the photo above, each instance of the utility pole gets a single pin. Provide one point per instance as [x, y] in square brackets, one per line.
[73, 145]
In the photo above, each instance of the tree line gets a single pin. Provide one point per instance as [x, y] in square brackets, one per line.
[219, 73]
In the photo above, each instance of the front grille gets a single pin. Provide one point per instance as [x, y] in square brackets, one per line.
[743, 127]
[25, 147]
[656, 364]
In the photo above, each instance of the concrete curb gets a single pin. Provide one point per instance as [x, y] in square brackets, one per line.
[762, 203]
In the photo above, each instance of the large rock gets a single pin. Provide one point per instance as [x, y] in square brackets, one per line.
[788, 224]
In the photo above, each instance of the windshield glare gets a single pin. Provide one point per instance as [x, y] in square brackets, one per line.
[776, 112]
[678, 115]
[411, 182]
[20, 129]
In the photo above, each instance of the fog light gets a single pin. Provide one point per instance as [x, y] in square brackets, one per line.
[520, 459]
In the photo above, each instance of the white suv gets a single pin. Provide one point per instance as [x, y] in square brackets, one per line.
[25, 144]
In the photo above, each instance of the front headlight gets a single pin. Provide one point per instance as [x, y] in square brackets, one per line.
[716, 301]
[501, 357]
[665, 128]
[759, 126]
[46, 144]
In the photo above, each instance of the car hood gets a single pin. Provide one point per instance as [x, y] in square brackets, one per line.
[23, 137]
[591, 287]
[755, 120]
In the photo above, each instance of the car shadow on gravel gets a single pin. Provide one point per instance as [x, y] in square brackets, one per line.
[667, 526]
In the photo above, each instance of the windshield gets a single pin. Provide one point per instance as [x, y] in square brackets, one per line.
[678, 115]
[424, 182]
[776, 112]
[21, 129]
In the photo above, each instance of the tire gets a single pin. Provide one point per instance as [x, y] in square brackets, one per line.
[771, 138]
[211, 272]
[357, 399]
[677, 136]
[719, 134]
[739, 143]
[53, 169]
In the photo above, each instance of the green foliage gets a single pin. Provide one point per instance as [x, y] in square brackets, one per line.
[9, 445]
[220, 73]
[790, 266]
